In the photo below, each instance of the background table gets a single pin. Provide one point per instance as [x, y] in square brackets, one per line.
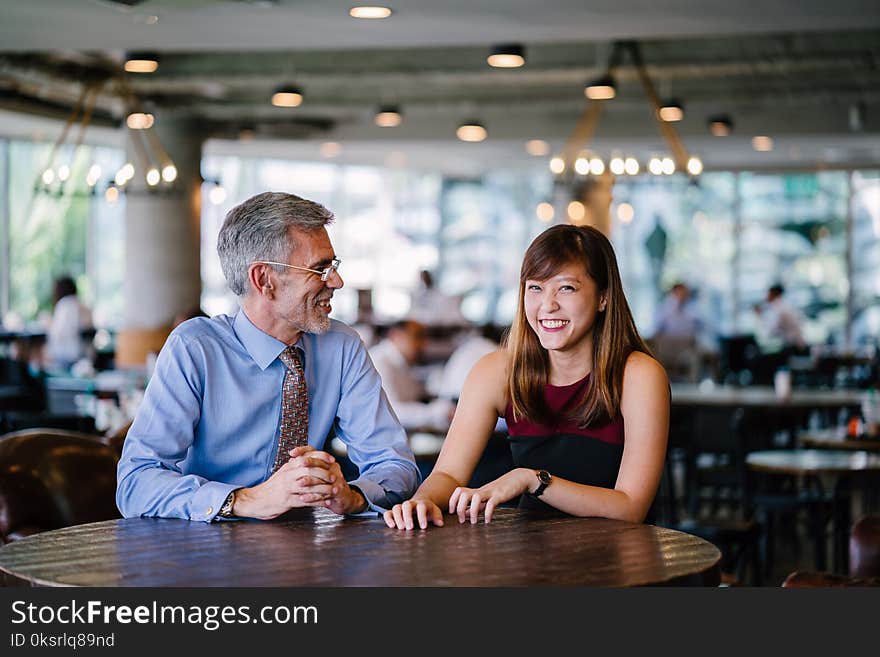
[695, 395]
[321, 549]
[836, 439]
[814, 463]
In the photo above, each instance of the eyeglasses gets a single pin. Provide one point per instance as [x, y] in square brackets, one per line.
[323, 273]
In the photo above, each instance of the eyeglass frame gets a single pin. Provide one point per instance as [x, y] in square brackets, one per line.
[323, 273]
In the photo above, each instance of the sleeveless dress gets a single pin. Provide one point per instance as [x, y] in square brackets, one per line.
[588, 455]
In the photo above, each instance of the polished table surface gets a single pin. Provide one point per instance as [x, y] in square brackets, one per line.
[321, 549]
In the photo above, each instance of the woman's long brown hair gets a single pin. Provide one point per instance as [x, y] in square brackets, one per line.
[615, 335]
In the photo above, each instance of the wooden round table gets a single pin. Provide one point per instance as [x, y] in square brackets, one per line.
[321, 549]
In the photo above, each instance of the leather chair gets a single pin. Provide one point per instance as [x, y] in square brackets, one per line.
[51, 479]
[864, 561]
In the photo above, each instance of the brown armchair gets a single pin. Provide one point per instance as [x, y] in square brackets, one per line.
[52, 478]
[864, 560]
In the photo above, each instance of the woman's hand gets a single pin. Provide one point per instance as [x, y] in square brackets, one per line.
[401, 515]
[468, 501]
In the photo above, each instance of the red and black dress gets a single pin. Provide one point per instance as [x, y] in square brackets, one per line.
[589, 455]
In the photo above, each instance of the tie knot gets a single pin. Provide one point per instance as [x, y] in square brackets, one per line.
[290, 358]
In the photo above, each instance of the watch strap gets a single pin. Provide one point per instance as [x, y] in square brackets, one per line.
[544, 480]
[226, 509]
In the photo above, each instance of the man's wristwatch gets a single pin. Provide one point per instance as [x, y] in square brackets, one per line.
[544, 480]
[226, 509]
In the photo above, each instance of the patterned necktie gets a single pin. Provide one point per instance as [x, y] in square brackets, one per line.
[294, 407]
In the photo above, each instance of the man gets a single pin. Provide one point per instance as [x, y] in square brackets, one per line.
[676, 333]
[676, 317]
[394, 357]
[781, 322]
[238, 409]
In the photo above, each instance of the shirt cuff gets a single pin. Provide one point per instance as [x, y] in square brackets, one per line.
[374, 494]
[209, 499]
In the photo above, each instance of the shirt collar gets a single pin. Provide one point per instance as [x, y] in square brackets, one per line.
[262, 347]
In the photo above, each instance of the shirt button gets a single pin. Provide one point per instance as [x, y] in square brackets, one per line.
[209, 510]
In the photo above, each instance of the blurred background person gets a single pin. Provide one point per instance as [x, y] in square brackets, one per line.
[432, 307]
[477, 344]
[781, 323]
[394, 358]
[676, 333]
[676, 316]
[64, 343]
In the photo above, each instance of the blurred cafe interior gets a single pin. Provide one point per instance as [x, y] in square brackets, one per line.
[730, 151]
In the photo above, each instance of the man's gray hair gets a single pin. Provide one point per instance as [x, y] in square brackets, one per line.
[257, 229]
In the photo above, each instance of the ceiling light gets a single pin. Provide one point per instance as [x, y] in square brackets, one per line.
[537, 147]
[63, 172]
[762, 143]
[625, 213]
[576, 210]
[153, 177]
[557, 165]
[141, 62]
[721, 125]
[112, 194]
[631, 166]
[369, 12]
[48, 176]
[388, 116]
[169, 173]
[139, 121]
[471, 131]
[94, 175]
[330, 149]
[602, 88]
[616, 165]
[582, 166]
[672, 110]
[509, 55]
[545, 212]
[695, 166]
[667, 165]
[597, 166]
[287, 97]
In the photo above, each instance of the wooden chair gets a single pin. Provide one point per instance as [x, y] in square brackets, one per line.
[714, 493]
[864, 561]
[52, 478]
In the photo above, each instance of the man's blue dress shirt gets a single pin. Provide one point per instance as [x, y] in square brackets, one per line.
[210, 417]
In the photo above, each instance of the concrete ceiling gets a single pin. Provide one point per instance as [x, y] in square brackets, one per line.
[805, 72]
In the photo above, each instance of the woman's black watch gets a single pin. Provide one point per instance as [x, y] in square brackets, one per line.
[544, 480]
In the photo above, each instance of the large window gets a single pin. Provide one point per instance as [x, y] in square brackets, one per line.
[62, 227]
[793, 232]
[866, 258]
[731, 236]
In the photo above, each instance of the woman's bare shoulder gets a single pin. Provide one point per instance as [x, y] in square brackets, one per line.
[488, 378]
[641, 367]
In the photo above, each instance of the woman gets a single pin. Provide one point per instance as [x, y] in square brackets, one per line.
[587, 407]
[64, 345]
